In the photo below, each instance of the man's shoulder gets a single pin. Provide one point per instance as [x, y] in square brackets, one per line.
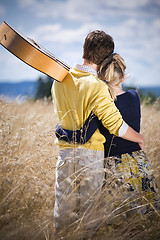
[92, 79]
[84, 81]
[85, 78]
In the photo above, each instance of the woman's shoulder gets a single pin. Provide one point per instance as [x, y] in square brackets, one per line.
[133, 92]
[127, 99]
[131, 96]
[128, 95]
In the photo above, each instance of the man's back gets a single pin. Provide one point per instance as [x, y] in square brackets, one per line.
[73, 102]
[80, 93]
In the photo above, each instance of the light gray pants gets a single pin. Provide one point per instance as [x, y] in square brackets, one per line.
[79, 178]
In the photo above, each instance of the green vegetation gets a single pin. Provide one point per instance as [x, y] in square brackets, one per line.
[147, 98]
[43, 87]
[44, 90]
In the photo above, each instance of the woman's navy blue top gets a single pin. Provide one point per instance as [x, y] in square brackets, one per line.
[128, 104]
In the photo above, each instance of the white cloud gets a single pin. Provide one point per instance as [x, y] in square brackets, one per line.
[56, 33]
[134, 25]
[44, 8]
[2, 10]
[141, 36]
[64, 43]
[136, 38]
[157, 2]
[27, 3]
[14, 69]
[87, 10]
[132, 4]
[138, 42]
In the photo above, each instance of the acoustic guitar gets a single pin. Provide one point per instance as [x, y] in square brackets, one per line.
[32, 53]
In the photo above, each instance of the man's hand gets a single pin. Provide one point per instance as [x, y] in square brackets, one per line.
[142, 143]
[134, 136]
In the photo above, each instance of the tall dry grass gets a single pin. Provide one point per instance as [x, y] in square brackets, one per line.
[27, 174]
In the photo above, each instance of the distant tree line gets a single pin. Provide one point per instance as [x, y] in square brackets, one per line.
[147, 98]
[44, 91]
[44, 88]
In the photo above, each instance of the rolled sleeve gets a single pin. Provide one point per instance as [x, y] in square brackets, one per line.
[123, 129]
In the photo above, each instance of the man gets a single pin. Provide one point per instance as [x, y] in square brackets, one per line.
[80, 172]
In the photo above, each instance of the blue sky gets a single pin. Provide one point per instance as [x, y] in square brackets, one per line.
[61, 26]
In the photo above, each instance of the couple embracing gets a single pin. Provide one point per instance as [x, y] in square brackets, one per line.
[99, 127]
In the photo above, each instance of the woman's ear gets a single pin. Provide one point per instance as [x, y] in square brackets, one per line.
[123, 78]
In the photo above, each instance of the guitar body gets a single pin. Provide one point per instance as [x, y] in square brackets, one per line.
[31, 53]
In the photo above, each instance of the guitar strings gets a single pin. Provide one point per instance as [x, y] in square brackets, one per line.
[63, 64]
[41, 48]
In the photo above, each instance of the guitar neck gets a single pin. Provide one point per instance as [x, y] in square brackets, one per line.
[32, 53]
[51, 55]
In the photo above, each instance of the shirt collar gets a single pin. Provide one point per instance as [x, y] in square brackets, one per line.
[85, 69]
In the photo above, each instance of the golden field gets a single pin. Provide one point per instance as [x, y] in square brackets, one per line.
[27, 173]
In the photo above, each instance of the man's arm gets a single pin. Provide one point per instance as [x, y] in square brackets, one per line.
[104, 108]
[134, 136]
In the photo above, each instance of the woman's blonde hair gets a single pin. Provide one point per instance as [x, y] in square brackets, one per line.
[112, 71]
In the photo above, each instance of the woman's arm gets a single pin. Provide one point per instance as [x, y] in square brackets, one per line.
[90, 126]
[134, 136]
[79, 136]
